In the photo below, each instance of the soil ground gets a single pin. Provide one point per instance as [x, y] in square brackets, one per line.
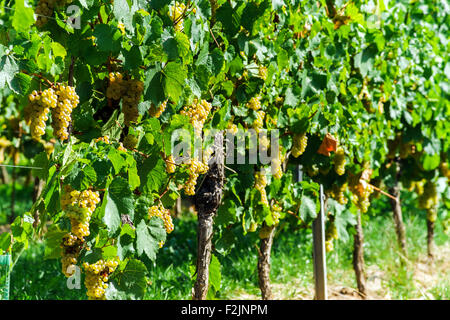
[426, 275]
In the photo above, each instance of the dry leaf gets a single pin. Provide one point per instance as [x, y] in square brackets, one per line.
[329, 144]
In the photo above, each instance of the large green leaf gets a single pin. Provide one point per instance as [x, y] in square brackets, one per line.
[149, 236]
[23, 16]
[129, 282]
[174, 77]
[308, 209]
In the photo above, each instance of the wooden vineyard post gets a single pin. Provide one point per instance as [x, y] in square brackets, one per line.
[207, 201]
[319, 257]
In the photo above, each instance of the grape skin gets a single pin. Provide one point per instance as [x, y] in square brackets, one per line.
[300, 143]
[164, 215]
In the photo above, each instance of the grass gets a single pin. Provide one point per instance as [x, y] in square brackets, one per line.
[22, 202]
[291, 265]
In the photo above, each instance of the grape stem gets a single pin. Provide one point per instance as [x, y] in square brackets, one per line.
[41, 77]
[166, 189]
[381, 191]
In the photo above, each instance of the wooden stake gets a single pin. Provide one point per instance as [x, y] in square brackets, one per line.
[320, 267]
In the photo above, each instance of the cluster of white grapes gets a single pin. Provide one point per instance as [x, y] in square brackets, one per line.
[276, 213]
[170, 164]
[176, 11]
[129, 91]
[130, 142]
[198, 113]
[37, 111]
[262, 72]
[61, 114]
[78, 206]
[428, 200]
[195, 168]
[254, 103]
[331, 234]
[260, 185]
[361, 190]
[130, 100]
[157, 111]
[276, 164]
[164, 214]
[45, 8]
[337, 192]
[232, 128]
[61, 102]
[258, 123]
[339, 161]
[105, 139]
[71, 246]
[300, 143]
[97, 276]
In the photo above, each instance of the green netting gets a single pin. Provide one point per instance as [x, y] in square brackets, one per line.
[5, 266]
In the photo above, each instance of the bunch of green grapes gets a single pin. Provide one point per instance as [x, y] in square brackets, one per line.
[69, 262]
[253, 227]
[337, 192]
[39, 106]
[195, 168]
[258, 123]
[130, 142]
[79, 207]
[45, 8]
[276, 163]
[276, 213]
[264, 142]
[417, 186]
[331, 234]
[262, 72]
[206, 155]
[300, 143]
[130, 100]
[175, 13]
[157, 111]
[62, 112]
[170, 164]
[164, 215]
[254, 103]
[264, 232]
[71, 246]
[260, 185]
[432, 214]
[232, 128]
[116, 87]
[361, 193]
[97, 276]
[198, 113]
[339, 161]
[429, 197]
[104, 139]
